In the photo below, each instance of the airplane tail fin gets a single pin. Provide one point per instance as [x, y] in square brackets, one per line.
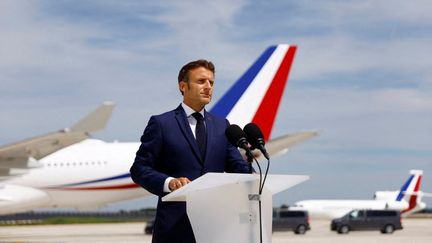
[411, 186]
[96, 120]
[256, 96]
[410, 193]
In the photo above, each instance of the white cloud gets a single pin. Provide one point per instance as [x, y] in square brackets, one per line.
[405, 100]
[369, 13]
[352, 119]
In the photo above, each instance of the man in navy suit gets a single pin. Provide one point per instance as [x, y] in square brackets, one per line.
[181, 145]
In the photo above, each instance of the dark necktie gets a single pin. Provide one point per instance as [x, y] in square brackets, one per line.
[200, 133]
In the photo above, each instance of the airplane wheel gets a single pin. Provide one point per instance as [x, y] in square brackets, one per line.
[344, 229]
[388, 229]
[301, 229]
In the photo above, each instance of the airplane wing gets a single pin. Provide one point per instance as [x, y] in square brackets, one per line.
[281, 145]
[17, 157]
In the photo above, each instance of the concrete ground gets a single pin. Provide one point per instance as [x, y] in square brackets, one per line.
[415, 230]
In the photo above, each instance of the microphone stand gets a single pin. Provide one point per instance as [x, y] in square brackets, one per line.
[259, 200]
[260, 189]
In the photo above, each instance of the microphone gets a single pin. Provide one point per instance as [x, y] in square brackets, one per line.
[237, 137]
[256, 138]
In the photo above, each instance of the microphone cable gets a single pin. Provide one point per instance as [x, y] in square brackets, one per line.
[260, 189]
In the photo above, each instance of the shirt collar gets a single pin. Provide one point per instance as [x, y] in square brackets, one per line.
[189, 111]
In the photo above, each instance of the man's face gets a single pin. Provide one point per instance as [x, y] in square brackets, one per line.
[198, 92]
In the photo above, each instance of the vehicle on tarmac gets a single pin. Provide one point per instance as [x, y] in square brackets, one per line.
[295, 220]
[387, 221]
[148, 229]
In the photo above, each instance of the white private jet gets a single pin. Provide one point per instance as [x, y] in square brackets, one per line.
[66, 169]
[407, 200]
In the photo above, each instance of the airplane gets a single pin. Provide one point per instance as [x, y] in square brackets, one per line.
[407, 200]
[67, 169]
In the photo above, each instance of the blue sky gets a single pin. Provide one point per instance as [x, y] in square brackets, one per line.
[362, 76]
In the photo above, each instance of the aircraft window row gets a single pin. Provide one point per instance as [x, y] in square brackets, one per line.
[86, 163]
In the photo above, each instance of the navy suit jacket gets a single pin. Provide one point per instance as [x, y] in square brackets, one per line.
[168, 148]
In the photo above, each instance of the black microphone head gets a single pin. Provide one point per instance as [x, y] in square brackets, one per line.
[254, 135]
[235, 135]
[256, 138]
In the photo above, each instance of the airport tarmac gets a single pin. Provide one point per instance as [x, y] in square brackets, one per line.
[415, 230]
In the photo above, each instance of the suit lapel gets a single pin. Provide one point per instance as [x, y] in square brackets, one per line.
[186, 130]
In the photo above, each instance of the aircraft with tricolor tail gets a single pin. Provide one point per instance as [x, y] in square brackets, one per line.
[67, 169]
[407, 200]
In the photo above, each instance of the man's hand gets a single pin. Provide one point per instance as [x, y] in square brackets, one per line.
[176, 183]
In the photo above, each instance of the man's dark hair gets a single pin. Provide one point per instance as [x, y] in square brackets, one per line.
[184, 71]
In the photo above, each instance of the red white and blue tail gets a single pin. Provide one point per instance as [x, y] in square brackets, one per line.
[256, 96]
[411, 186]
[410, 193]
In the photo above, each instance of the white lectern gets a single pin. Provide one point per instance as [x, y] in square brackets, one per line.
[222, 206]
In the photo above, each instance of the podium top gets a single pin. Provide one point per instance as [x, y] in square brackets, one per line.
[274, 183]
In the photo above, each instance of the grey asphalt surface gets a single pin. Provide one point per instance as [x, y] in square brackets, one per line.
[415, 230]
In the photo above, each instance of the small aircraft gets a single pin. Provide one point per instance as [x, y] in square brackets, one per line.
[67, 169]
[407, 200]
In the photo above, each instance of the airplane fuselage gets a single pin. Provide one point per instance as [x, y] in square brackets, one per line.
[330, 209]
[88, 174]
